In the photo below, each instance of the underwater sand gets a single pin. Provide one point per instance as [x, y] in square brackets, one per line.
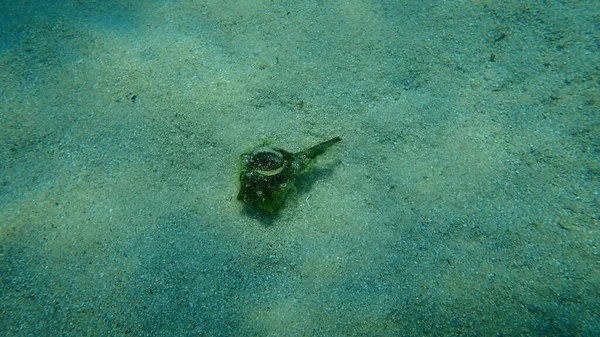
[463, 200]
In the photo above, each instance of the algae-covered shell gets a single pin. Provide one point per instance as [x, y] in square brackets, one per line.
[267, 174]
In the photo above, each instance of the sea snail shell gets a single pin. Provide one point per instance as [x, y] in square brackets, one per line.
[268, 173]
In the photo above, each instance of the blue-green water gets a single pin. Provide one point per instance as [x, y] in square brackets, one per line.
[462, 201]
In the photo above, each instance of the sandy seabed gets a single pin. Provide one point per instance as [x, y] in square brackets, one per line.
[462, 201]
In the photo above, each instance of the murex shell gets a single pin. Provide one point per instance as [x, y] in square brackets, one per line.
[268, 174]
